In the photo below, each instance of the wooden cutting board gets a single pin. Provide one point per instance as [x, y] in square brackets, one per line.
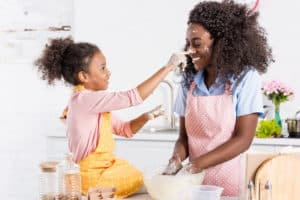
[283, 171]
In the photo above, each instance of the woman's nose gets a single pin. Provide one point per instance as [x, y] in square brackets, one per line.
[191, 50]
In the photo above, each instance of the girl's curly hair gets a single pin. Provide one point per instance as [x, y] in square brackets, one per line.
[239, 41]
[63, 58]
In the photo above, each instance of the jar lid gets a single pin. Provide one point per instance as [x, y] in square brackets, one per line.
[48, 166]
[297, 115]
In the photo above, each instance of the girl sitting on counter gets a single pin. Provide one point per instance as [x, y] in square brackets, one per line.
[90, 123]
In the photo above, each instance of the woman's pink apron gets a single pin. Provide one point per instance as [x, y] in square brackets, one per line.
[210, 122]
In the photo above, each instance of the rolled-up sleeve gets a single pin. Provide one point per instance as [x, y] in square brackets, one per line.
[120, 127]
[249, 95]
[180, 102]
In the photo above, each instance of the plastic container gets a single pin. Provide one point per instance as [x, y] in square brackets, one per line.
[48, 181]
[205, 192]
[70, 174]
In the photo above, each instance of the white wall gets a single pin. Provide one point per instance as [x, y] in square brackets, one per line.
[29, 108]
[29, 111]
[280, 20]
[137, 37]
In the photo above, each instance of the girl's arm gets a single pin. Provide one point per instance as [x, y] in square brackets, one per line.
[146, 88]
[128, 129]
[242, 138]
[121, 127]
[102, 101]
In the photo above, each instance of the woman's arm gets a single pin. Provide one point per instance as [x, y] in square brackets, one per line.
[181, 145]
[180, 152]
[242, 138]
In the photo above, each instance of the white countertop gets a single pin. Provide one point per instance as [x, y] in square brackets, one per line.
[172, 137]
[147, 197]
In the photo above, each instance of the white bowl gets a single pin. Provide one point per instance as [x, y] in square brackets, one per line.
[205, 192]
[166, 187]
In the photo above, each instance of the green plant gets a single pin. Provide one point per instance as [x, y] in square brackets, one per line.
[268, 128]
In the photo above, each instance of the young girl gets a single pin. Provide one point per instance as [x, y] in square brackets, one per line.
[90, 123]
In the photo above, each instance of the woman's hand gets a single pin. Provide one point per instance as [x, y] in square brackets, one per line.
[190, 168]
[174, 166]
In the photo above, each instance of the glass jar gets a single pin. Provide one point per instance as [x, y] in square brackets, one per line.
[48, 181]
[72, 178]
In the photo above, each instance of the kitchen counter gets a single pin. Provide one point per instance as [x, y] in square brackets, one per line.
[171, 136]
[157, 146]
[147, 197]
[139, 197]
[134, 197]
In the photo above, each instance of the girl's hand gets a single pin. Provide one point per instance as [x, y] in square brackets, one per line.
[156, 112]
[178, 59]
[174, 166]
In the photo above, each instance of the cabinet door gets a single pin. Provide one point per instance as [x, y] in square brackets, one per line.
[144, 154]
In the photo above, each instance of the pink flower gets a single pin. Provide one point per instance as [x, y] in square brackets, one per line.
[277, 91]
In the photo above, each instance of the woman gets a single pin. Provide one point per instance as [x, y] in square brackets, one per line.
[219, 100]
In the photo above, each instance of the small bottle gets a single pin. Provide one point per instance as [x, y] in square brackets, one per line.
[268, 191]
[48, 181]
[72, 178]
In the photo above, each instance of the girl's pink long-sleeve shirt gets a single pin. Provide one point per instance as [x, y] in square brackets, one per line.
[84, 117]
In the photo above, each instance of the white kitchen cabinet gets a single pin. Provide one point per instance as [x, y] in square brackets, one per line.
[263, 147]
[144, 154]
[274, 144]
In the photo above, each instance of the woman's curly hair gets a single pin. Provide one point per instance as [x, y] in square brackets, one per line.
[63, 58]
[239, 41]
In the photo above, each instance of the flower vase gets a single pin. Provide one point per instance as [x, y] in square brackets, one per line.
[277, 115]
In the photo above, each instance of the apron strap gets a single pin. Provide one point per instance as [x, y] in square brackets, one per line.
[227, 88]
[193, 85]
